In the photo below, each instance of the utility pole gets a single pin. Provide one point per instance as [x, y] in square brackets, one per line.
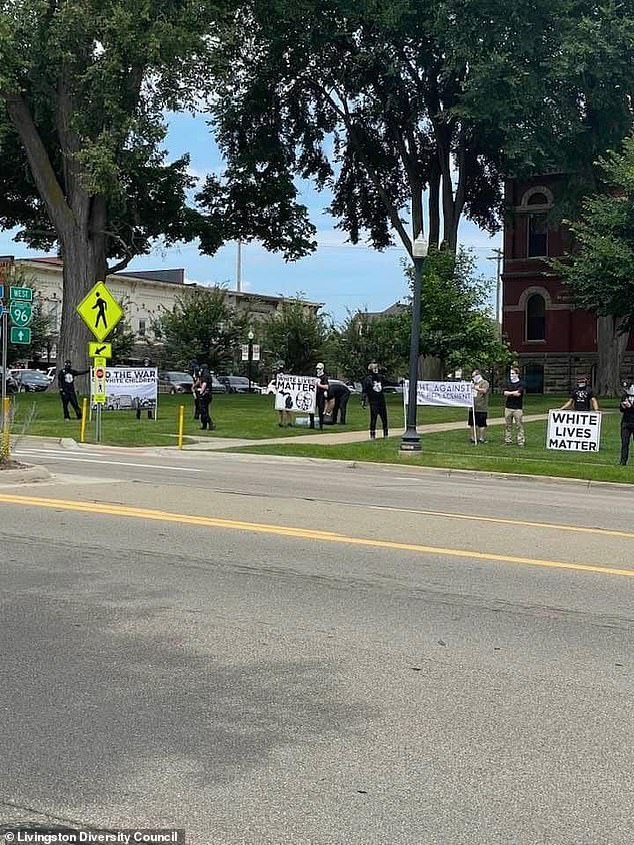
[239, 267]
[498, 255]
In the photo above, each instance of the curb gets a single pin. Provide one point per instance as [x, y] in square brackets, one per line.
[25, 475]
[448, 472]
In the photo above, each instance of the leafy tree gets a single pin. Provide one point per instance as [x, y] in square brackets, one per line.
[202, 327]
[83, 89]
[363, 339]
[123, 340]
[600, 270]
[298, 336]
[387, 103]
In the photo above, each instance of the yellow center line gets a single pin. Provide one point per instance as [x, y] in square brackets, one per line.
[300, 533]
[499, 520]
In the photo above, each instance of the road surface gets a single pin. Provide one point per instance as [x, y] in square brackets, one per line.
[264, 650]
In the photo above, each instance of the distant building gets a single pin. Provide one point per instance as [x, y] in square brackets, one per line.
[554, 341]
[394, 310]
[145, 294]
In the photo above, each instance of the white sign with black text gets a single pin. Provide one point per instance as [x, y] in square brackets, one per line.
[129, 388]
[457, 394]
[574, 431]
[296, 394]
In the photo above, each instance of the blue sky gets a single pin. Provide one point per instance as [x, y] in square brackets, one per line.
[342, 276]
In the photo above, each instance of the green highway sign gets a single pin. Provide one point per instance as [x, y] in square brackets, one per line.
[19, 335]
[21, 313]
[21, 294]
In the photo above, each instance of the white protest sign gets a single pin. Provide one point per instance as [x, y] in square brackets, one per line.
[458, 394]
[574, 431]
[128, 388]
[296, 394]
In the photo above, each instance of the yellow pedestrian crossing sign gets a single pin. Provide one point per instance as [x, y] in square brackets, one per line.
[100, 311]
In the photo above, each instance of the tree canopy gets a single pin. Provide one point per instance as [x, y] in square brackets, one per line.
[600, 270]
[201, 327]
[393, 105]
[297, 336]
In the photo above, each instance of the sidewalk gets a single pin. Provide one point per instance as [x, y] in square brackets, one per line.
[205, 444]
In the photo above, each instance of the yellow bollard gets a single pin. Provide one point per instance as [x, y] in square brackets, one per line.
[84, 416]
[5, 448]
[181, 425]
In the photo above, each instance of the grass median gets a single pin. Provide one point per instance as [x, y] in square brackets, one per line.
[452, 450]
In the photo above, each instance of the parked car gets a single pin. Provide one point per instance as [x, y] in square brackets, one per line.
[31, 380]
[175, 382]
[217, 386]
[237, 384]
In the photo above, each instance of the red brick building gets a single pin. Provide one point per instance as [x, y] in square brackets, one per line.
[553, 340]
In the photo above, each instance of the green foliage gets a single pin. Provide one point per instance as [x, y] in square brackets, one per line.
[298, 336]
[384, 339]
[383, 101]
[601, 268]
[123, 340]
[202, 327]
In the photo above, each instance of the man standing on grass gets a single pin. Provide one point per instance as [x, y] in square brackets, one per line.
[66, 382]
[375, 397]
[582, 397]
[480, 405]
[514, 391]
[626, 408]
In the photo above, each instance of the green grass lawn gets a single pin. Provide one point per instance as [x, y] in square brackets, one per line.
[452, 449]
[243, 416]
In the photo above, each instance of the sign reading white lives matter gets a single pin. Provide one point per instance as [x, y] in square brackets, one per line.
[129, 388]
[574, 431]
[296, 394]
[458, 394]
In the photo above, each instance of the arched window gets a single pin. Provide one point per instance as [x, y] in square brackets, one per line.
[536, 317]
[537, 235]
[537, 199]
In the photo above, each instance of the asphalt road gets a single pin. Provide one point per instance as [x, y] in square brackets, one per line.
[266, 650]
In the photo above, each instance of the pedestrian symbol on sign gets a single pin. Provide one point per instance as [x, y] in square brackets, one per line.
[102, 306]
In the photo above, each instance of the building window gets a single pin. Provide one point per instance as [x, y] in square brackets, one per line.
[142, 328]
[537, 235]
[534, 378]
[536, 317]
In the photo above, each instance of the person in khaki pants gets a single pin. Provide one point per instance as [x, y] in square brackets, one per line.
[514, 391]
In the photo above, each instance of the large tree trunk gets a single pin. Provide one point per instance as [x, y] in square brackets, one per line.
[611, 345]
[84, 258]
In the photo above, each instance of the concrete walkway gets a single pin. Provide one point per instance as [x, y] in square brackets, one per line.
[334, 438]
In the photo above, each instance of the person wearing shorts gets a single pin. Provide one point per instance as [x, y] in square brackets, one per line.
[480, 406]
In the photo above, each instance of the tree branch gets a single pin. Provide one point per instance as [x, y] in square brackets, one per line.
[39, 162]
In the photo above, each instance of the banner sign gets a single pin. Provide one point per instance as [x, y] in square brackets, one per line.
[128, 388]
[458, 394]
[297, 394]
[574, 431]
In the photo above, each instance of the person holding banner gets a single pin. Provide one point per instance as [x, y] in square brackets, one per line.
[66, 382]
[373, 393]
[146, 364]
[480, 408]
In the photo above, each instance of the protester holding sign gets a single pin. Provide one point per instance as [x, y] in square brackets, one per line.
[627, 423]
[514, 392]
[582, 398]
[66, 382]
[373, 393]
[146, 364]
[480, 406]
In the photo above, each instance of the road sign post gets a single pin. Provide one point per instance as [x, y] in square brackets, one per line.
[21, 313]
[19, 294]
[20, 335]
[99, 350]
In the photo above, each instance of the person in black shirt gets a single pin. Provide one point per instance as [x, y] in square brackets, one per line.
[66, 382]
[627, 423]
[150, 414]
[340, 394]
[514, 392]
[582, 398]
[203, 392]
[373, 393]
[322, 395]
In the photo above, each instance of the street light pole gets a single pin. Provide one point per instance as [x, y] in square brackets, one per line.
[250, 337]
[410, 442]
